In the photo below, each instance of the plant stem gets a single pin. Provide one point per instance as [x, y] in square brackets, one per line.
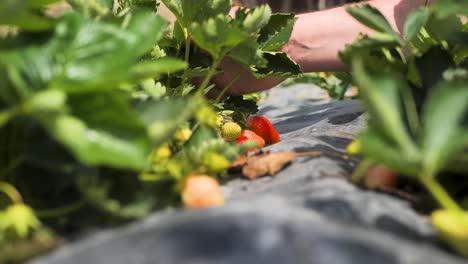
[402, 56]
[426, 2]
[57, 212]
[169, 77]
[11, 192]
[438, 192]
[361, 170]
[229, 85]
[210, 74]
[187, 47]
[388, 55]
[411, 110]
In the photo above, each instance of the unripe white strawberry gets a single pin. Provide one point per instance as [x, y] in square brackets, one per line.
[230, 131]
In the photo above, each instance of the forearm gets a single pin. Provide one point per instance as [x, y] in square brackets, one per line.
[318, 37]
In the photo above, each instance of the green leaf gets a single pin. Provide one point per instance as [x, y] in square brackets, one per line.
[444, 133]
[190, 11]
[198, 72]
[148, 30]
[380, 93]
[278, 65]
[27, 21]
[432, 64]
[239, 104]
[101, 129]
[372, 18]
[277, 32]
[415, 21]
[256, 18]
[23, 71]
[47, 101]
[163, 117]
[201, 135]
[248, 54]
[24, 14]
[445, 8]
[447, 29]
[106, 195]
[381, 151]
[155, 68]
[218, 35]
[368, 45]
[38, 4]
[94, 55]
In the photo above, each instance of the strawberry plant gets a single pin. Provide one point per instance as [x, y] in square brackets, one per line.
[415, 90]
[101, 119]
[334, 83]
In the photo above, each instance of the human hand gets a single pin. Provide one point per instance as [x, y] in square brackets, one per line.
[236, 80]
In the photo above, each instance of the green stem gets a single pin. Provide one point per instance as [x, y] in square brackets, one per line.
[426, 2]
[11, 192]
[229, 85]
[169, 78]
[361, 170]
[411, 110]
[438, 192]
[388, 55]
[210, 74]
[57, 212]
[187, 47]
[402, 56]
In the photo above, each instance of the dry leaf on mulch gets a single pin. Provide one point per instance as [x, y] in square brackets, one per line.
[267, 163]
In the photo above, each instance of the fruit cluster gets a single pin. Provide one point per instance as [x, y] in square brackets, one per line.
[258, 129]
[203, 191]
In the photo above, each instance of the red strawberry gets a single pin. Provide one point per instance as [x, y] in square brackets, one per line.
[250, 135]
[263, 127]
[380, 177]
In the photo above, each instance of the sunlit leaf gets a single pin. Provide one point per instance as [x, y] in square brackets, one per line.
[217, 35]
[380, 93]
[101, 129]
[372, 18]
[277, 32]
[445, 134]
[415, 21]
[446, 8]
[24, 14]
[96, 55]
[256, 18]
[190, 11]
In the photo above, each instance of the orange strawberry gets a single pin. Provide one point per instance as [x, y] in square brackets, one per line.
[201, 191]
[250, 135]
[263, 127]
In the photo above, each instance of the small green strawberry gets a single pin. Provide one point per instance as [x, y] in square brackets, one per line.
[230, 131]
[452, 225]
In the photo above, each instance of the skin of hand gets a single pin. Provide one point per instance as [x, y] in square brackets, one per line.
[246, 82]
[315, 42]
